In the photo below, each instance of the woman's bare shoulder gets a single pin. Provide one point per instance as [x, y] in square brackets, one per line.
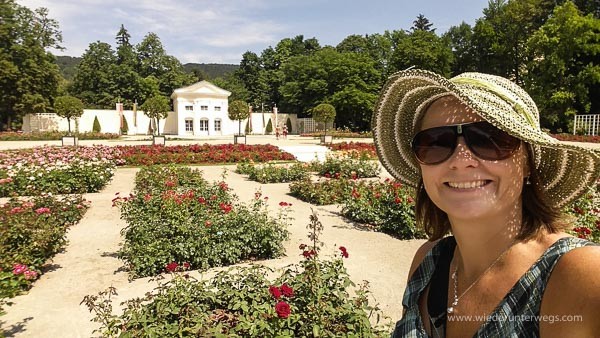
[420, 255]
[572, 295]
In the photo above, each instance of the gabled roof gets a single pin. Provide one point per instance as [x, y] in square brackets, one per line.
[202, 88]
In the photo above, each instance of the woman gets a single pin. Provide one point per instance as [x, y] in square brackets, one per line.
[485, 172]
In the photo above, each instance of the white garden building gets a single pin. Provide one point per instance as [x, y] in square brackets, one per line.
[198, 110]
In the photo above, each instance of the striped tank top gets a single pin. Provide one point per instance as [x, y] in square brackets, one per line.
[522, 301]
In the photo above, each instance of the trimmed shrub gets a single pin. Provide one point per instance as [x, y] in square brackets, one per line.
[96, 128]
[269, 128]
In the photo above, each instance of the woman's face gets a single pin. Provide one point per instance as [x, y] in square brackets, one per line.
[465, 186]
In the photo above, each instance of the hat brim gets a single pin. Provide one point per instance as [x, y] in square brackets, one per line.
[565, 170]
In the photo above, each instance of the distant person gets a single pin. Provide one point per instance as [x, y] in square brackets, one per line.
[277, 133]
[486, 174]
[285, 132]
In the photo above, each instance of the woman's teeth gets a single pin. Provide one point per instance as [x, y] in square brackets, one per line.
[467, 185]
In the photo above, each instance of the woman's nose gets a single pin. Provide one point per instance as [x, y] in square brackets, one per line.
[462, 156]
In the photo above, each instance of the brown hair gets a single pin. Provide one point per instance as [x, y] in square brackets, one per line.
[537, 213]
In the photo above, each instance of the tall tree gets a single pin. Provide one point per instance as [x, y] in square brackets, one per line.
[460, 39]
[425, 50]
[422, 24]
[29, 75]
[564, 75]
[253, 76]
[93, 82]
[330, 76]
[153, 60]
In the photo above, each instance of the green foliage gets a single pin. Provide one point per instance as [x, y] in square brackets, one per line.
[33, 230]
[128, 74]
[269, 128]
[96, 128]
[238, 111]
[29, 76]
[156, 108]
[75, 176]
[68, 107]
[211, 70]
[270, 173]
[247, 130]
[288, 125]
[563, 77]
[422, 49]
[343, 165]
[124, 127]
[176, 216]
[329, 191]
[586, 215]
[348, 80]
[308, 299]
[386, 206]
[54, 135]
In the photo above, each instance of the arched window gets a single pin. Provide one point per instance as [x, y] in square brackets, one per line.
[204, 124]
[189, 125]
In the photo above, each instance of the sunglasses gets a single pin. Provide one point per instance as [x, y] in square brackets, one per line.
[436, 145]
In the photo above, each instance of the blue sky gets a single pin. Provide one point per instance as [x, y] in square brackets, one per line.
[221, 31]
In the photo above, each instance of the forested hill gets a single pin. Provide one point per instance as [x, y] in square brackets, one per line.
[212, 70]
[67, 66]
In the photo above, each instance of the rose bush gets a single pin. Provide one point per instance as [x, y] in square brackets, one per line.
[586, 213]
[362, 149]
[274, 173]
[200, 154]
[57, 170]
[308, 299]
[322, 192]
[53, 135]
[33, 230]
[343, 164]
[387, 206]
[174, 215]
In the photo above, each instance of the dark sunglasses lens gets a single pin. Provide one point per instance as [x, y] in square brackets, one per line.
[490, 143]
[435, 145]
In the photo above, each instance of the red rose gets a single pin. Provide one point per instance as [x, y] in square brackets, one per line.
[283, 309]
[344, 251]
[275, 292]
[287, 291]
[171, 267]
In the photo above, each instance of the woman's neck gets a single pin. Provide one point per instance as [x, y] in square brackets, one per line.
[481, 242]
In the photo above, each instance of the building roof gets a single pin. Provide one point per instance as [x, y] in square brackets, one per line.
[201, 89]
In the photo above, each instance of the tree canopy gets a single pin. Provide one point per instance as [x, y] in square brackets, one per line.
[29, 76]
[157, 108]
[238, 111]
[68, 107]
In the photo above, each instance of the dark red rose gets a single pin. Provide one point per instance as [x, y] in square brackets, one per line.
[344, 251]
[283, 309]
[287, 290]
[275, 292]
[171, 267]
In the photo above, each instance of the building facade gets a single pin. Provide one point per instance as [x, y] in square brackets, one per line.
[201, 110]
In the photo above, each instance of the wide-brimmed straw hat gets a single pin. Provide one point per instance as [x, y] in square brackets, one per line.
[565, 170]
